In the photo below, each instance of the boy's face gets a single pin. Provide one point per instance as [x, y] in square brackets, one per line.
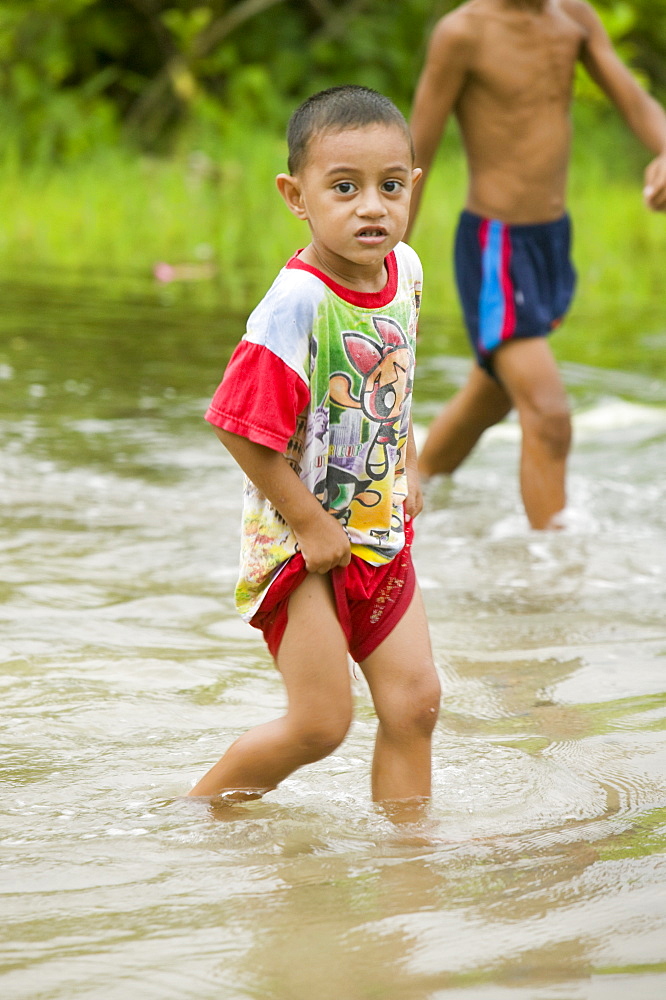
[354, 191]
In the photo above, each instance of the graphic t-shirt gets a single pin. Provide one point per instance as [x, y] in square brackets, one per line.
[324, 375]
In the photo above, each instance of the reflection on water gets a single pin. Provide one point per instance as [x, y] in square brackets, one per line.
[541, 872]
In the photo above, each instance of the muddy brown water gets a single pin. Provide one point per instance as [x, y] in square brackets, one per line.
[540, 873]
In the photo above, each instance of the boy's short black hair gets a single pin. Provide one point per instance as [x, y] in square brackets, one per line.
[337, 109]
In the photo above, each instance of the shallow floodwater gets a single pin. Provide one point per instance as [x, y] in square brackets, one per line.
[540, 873]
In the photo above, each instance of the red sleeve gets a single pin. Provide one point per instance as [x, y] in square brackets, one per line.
[259, 397]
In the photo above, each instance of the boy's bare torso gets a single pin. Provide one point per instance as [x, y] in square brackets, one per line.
[513, 108]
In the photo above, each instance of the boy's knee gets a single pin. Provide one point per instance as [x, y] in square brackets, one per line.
[320, 737]
[416, 713]
[557, 433]
[426, 707]
[552, 426]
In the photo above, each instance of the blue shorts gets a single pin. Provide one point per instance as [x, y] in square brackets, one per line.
[513, 281]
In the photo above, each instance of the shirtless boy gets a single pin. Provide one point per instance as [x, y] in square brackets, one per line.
[505, 69]
[315, 408]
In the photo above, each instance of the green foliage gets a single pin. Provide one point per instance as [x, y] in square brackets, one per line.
[41, 115]
[77, 74]
[641, 27]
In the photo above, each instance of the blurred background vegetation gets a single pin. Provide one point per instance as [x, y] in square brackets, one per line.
[135, 131]
[75, 74]
[149, 72]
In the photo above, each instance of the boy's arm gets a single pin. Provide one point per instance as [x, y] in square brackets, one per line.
[414, 501]
[439, 86]
[321, 539]
[644, 116]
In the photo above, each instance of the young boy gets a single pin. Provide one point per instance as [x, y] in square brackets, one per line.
[315, 408]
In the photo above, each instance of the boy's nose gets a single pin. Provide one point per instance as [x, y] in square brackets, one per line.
[371, 204]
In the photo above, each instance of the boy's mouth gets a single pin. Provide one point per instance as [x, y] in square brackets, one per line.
[371, 233]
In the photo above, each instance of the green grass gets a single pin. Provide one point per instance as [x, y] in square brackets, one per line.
[117, 215]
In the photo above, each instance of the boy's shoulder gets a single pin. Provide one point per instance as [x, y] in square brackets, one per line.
[407, 257]
[284, 318]
[409, 268]
[294, 291]
[294, 279]
[464, 25]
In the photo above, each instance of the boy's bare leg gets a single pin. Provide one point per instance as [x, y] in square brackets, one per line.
[531, 382]
[313, 662]
[405, 690]
[527, 370]
[481, 403]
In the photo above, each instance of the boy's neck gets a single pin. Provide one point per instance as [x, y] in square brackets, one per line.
[356, 278]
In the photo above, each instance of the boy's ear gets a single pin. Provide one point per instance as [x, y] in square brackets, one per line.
[417, 174]
[290, 189]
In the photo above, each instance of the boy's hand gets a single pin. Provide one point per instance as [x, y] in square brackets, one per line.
[324, 544]
[321, 539]
[654, 191]
[414, 501]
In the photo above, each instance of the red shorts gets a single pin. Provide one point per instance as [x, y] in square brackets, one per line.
[370, 600]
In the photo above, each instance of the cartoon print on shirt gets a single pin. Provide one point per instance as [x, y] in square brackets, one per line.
[340, 487]
[386, 384]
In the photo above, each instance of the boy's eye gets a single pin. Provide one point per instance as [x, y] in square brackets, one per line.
[392, 186]
[344, 187]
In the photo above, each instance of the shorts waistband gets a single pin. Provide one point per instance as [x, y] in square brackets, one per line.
[471, 220]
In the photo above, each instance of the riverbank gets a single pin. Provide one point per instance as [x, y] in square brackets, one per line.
[210, 226]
